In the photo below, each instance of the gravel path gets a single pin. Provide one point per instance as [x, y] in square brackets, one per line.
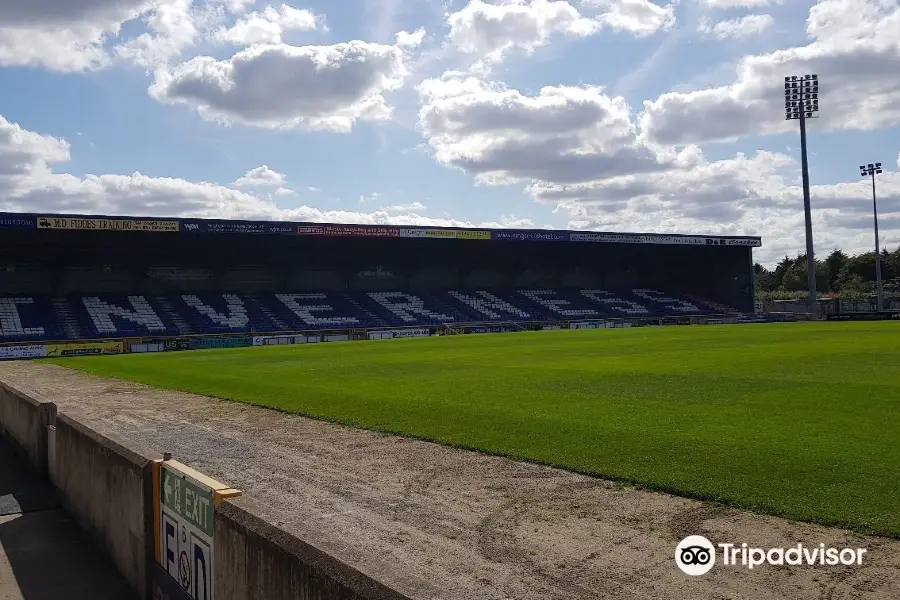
[438, 523]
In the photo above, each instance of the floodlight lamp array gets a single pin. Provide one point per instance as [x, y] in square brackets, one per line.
[870, 169]
[801, 96]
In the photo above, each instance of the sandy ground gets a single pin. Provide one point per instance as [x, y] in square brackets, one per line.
[437, 523]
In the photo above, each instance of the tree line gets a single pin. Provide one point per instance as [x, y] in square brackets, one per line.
[837, 275]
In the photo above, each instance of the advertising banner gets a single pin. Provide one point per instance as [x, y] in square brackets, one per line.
[441, 233]
[14, 352]
[362, 231]
[411, 333]
[208, 343]
[532, 236]
[637, 238]
[106, 224]
[414, 233]
[14, 221]
[85, 348]
[258, 227]
[465, 234]
[310, 230]
[732, 242]
[161, 345]
[648, 238]
[184, 504]
[276, 340]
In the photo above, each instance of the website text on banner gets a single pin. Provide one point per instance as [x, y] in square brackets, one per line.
[106, 224]
[532, 236]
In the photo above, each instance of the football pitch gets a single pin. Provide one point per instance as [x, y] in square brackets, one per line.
[796, 420]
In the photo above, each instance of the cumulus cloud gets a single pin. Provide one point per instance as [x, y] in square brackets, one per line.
[740, 27]
[406, 39]
[639, 17]
[28, 183]
[739, 3]
[491, 30]
[281, 86]
[577, 149]
[561, 134]
[62, 35]
[855, 51]
[268, 26]
[260, 177]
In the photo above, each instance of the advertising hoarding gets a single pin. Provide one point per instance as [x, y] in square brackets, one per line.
[106, 224]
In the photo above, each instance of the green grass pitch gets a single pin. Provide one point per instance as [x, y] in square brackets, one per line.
[797, 420]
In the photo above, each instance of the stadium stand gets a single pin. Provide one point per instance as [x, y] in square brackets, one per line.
[101, 316]
[80, 278]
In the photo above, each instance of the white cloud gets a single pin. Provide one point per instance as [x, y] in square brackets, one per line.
[281, 86]
[283, 191]
[739, 3]
[562, 134]
[62, 35]
[412, 207]
[640, 17]
[577, 149]
[491, 30]
[740, 27]
[898, 160]
[269, 26]
[172, 27]
[28, 183]
[406, 39]
[260, 177]
[855, 51]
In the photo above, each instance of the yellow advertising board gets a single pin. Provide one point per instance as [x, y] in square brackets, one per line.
[85, 348]
[440, 233]
[473, 235]
[105, 224]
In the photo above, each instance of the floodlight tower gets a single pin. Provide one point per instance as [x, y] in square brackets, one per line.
[870, 170]
[801, 102]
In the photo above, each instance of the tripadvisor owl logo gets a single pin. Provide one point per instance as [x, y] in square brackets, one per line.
[695, 555]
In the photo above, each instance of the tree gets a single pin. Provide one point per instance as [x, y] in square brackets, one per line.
[835, 262]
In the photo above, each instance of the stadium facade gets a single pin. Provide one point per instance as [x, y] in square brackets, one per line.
[83, 277]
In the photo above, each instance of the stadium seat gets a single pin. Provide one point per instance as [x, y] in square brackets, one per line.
[17, 323]
[615, 305]
[404, 309]
[561, 304]
[220, 313]
[114, 315]
[665, 304]
[317, 311]
[489, 307]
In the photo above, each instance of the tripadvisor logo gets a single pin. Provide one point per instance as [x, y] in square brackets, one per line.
[695, 555]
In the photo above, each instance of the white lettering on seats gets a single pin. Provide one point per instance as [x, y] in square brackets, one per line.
[305, 311]
[235, 316]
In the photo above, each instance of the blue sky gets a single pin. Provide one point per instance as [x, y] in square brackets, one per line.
[451, 121]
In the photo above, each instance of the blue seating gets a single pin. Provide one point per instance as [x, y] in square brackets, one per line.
[120, 315]
[25, 318]
[208, 312]
[35, 318]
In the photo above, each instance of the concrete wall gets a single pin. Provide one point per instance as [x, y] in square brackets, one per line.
[108, 489]
[254, 559]
[24, 420]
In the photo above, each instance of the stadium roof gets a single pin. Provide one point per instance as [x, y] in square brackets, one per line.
[50, 222]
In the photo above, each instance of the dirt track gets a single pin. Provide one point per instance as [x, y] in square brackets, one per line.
[437, 523]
